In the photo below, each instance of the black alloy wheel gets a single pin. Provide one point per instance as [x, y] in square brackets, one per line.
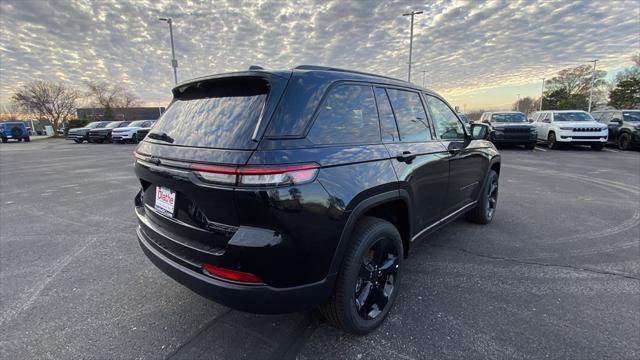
[492, 197]
[624, 141]
[377, 279]
[367, 284]
[485, 209]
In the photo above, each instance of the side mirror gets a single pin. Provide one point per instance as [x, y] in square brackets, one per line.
[479, 131]
[617, 121]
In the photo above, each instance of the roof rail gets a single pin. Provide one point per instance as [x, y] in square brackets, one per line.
[328, 68]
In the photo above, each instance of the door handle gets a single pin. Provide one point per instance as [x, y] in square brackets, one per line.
[454, 148]
[406, 156]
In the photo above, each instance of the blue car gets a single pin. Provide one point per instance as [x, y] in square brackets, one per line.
[13, 130]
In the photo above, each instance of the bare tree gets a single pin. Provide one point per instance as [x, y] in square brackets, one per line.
[127, 101]
[112, 98]
[525, 105]
[576, 81]
[11, 111]
[52, 101]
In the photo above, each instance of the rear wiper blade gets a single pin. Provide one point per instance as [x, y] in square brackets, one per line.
[161, 136]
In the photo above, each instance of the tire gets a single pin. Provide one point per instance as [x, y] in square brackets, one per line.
[362, 277]
[134, 138]
[530, 146]
[27, 139]
[78, 141]
[484, 211]
[551, 141]
[597, 147]
[624, 141]
[4, 139]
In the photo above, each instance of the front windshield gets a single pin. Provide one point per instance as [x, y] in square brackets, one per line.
[509, 117]
[115, 124]
[94, 124]
[138, 123]
[631, 116]
[572, 116]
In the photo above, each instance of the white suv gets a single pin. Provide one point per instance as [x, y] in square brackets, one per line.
[130, 133]
[556, 127]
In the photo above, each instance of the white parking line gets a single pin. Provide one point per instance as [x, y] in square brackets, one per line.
[539, 148]
[610, 150]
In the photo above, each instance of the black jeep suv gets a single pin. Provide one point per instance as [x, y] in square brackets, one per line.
[510, 127]
[280, 191]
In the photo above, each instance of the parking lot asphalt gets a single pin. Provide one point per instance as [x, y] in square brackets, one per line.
[556, 275]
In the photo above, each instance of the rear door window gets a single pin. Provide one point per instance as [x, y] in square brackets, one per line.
[447, 124]
[410, 115]
[220, 114]
[348, 115]
[388, 126]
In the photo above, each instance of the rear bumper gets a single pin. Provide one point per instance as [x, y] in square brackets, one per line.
[261, 299]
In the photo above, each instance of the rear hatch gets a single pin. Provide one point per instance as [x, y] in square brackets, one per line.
[211, 123]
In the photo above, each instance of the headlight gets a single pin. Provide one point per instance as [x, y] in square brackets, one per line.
[637, 127]
[566, 128]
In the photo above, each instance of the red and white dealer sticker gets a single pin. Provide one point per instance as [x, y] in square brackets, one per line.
[165, 201]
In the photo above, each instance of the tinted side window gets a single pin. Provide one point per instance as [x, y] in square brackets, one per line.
[410, 115]
[347, 115]
[387, 120]
[445, 121]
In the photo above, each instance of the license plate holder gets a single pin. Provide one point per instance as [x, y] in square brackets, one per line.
[165, 201]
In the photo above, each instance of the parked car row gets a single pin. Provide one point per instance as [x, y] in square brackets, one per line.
[565, 127]
[111, 131]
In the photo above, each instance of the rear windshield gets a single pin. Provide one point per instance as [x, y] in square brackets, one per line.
[511, 118]
[219, 114]
[572, 116]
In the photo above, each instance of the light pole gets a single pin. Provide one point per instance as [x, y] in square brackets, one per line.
[518, 103]
[541, 94]
[412, 14]
[593, 80]
[174, 62]
[424, 75]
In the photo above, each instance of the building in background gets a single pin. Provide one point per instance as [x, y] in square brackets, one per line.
[134, 113]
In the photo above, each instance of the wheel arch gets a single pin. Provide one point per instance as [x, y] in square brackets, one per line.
[393, 206]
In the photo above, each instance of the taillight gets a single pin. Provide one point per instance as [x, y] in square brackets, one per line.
[232, 275]
[257, 175]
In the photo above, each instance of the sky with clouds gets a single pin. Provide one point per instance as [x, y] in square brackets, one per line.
[477, 54]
